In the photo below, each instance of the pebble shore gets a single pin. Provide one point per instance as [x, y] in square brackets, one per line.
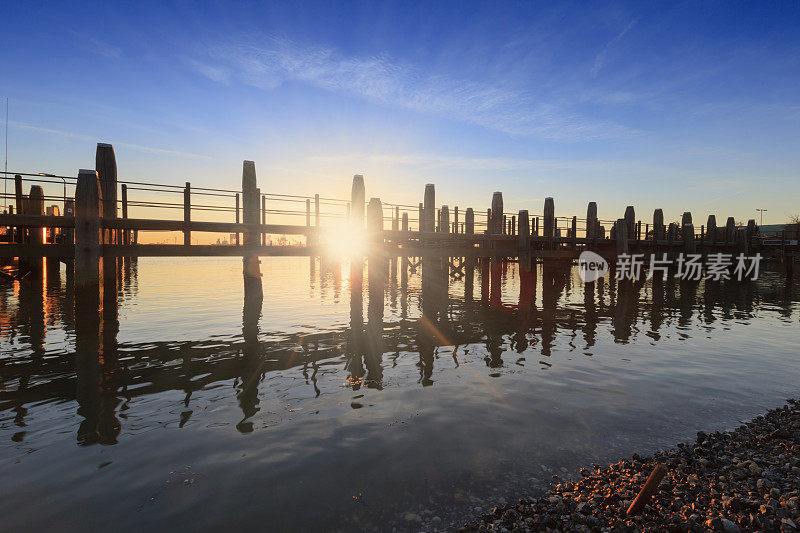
[747, 479]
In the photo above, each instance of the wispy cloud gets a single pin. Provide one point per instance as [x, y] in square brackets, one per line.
[600, 58]
[498, 164]
[96, 46]
[72, 135]
[269, 61]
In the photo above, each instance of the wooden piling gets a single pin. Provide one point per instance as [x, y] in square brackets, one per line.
[469, 221]
[659, 231]
[106, 167]
[711, 228]
[689, 244]
[405, 221]
[429, 209]
[549, 217]
[686, 218]
[420, 217]
[591, 220]
[751, 230]
[396, 219]
[496, 226]
[126, 234]
[87, 230]
[730, 231]
[308, 212]
[316, 210]
[455, 219]
[742, 241]
[621, 236]
[357, 202]
[375, 219]
[187, 213]
[251, 269]
[444, 223]
[630, 221]
[524, 235]
[574, 231]
[36, 207]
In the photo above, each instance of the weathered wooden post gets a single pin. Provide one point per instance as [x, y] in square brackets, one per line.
[742, 241]
[751, 230]
[396, 220]
[126, 234]
[375, 220]
[316, 210]
[711, 228]
[686, 218]
[689, 245]
[469, 221]
[496, 226]
[357, 202]
[420, 217]
[187, 214]
[513, 225]
[429, 209]
[308, 213]
[87, 231]
[659, 232]
[445, 219]
[591, 220]
[405, 221]
[505, 225]
[630, 221]
[106, 167]
[455, 219]
[250, 194]
[34, 205]
[524, 236]
[730, 231]
[621, 236]
[574, 231]
[549, 217]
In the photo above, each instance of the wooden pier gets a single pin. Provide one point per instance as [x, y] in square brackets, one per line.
[95, 225]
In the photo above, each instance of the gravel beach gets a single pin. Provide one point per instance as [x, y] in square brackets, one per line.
[747, 479]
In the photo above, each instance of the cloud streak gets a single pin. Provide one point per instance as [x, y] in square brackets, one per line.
[268, 62]
[72, 135]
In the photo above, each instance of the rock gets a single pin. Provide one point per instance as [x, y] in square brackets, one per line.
[730, 527]
[412, 517]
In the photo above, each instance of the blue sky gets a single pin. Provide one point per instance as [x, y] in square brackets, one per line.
[684, 106]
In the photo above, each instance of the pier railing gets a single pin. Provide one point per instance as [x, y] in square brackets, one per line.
[93, 217]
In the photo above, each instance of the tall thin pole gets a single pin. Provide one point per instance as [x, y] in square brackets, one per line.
[5, 168]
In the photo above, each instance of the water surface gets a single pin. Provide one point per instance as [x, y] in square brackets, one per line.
[345, 401]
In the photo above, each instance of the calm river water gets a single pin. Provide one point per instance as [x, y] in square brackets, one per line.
[342, 404]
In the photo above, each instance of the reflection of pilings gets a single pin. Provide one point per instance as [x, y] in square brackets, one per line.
[251, 363]
[495, 297]
[469, 279]
[31, 311]
[87, 366]
[355, 341]
[374, 332]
